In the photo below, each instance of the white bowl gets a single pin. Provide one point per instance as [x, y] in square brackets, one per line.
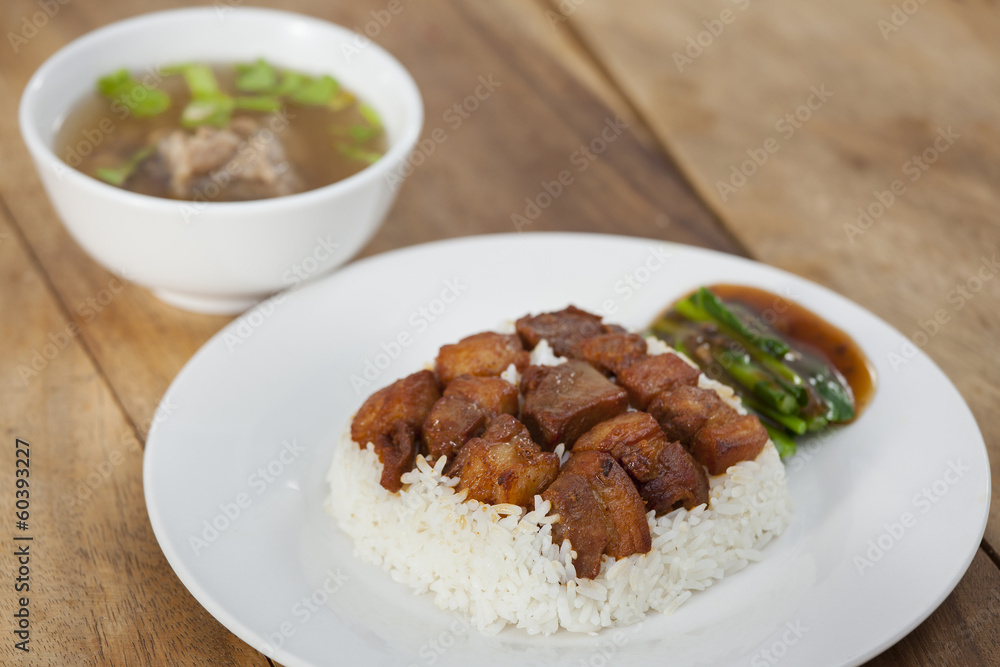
[220, 257]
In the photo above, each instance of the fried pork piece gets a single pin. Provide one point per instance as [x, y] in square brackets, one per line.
[648, 377]
[563, 402]
[683, 410]
[680, 482]
[503, 465]
[581, 521]
[452, 422]
[634, 439]
[391, 419]
[611, 519]
[725, 441]
[619, 500]
[483, 354]
[562, 329]
[715, 434]
[666, 476]
[611, 353]
[492, 395]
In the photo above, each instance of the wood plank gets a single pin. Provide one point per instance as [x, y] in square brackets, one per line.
[536, 20]
[139, 342]
[964, 630]
[473, 183]
[100, 590]
[891, 98]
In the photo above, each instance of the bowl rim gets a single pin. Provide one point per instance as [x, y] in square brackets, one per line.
[397, 154]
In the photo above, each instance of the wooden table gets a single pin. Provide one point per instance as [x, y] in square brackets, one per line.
[765, 129]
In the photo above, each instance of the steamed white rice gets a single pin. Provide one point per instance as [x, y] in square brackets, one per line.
[498, 565]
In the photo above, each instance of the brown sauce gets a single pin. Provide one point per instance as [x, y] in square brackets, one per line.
[805, 329]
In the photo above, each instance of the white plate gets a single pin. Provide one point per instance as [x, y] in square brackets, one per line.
[888, 511]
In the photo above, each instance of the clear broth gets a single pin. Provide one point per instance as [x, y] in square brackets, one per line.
[99, 134]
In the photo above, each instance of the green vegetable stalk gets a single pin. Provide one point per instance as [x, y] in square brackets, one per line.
[793, 392]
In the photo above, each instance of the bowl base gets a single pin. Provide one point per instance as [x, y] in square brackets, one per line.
[208, 304]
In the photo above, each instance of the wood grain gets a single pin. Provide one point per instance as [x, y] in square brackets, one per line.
[889, 99]
[101, 592]
[139, 342]
[964, 630]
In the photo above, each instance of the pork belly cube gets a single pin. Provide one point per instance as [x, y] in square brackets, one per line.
[483, 354]
[391, 419]
[581, 521]
[563, 402]
[611, 353]
[562, 329]
[407, 401]
[619, 500]
[600, 511]
[684, 410]
[725, 441]
[503, 465]
[493, 395]
[664, 473]
[452, 422]
[646, 378]
[680, 481]
[715, 434]
[634, 439]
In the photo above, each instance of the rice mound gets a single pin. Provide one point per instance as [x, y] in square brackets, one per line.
[498, 565]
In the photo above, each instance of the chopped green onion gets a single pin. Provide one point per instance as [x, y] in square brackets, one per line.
[258, 103]
[370, 115]
[208, 105]
[208, 110]
[290, 82]
[200, 80]
[356, 153]
[257, 77]
[316, 91]
[112, 84]
[118, 176]
[363, 133]
[141, 100]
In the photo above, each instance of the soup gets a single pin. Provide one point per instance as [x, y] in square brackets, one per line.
[220, 133]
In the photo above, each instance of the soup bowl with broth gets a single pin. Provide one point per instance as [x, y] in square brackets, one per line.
[214, 244]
